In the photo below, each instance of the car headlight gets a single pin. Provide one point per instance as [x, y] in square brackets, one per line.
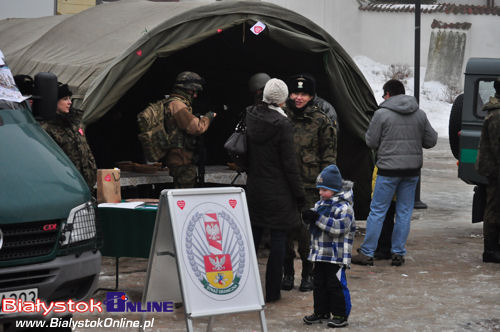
[81, 224]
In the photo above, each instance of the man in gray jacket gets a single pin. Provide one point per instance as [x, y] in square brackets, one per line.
[398, 131]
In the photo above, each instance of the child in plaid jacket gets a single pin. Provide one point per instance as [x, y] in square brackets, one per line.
[332, 226]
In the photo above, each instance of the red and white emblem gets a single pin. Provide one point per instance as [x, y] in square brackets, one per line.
[257, 28]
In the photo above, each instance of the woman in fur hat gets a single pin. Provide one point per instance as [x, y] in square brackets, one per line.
[65, 130]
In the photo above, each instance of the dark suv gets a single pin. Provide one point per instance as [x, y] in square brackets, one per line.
[466, 121]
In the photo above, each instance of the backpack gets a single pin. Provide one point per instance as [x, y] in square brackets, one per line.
[152, 134]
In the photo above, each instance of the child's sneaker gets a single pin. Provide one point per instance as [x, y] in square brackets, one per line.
[316, 318]
[337, 321]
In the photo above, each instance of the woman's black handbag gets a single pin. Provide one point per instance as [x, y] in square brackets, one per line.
[236, 145]
[237, 142]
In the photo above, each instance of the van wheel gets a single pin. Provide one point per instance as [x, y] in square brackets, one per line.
[455, 125]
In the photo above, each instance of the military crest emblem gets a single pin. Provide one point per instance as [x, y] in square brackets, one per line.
[216, 251]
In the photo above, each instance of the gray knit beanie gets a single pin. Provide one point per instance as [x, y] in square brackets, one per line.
[275, 92]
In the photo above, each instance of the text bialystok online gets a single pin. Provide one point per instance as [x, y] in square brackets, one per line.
[40, 307]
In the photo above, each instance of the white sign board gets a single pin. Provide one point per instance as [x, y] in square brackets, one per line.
[207, 233]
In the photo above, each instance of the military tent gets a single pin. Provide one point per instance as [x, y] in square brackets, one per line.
[120, 56]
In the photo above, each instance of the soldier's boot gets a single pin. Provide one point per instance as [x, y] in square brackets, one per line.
[491, 256]
[306, 284]
[287, 282]
[288, 270]
[491, 252]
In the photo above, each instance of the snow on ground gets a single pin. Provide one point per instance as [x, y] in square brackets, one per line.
[433, 95]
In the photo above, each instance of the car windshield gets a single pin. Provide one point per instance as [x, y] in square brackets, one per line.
[10, 97]
[11, 105]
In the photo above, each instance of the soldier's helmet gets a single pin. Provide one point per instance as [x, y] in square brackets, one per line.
[258, 81]
[190, 81]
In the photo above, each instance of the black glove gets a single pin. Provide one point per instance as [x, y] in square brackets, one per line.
[210, 115]
[309, 216]
[301, 202]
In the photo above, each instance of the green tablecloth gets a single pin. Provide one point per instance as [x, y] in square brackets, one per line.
[127, 232]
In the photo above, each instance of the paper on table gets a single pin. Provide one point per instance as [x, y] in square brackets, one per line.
[123, 205]
[148, 207]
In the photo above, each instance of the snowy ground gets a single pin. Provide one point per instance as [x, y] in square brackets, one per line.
[433, 95]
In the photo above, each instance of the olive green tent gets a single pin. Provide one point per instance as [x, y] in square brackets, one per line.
[120, 56]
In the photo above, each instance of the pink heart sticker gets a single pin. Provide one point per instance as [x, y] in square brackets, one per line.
[181, 204]
[107, 178]
[258, 29]
[232, 202]
[138, 52]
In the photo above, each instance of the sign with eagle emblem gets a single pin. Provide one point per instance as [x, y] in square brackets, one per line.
[217, 252]
[203, 236]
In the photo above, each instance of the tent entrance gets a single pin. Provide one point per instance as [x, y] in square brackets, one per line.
[226, 61]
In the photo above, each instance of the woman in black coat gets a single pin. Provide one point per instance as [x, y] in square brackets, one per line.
[274, 186]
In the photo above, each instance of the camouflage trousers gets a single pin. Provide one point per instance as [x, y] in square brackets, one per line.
[184, 176]
[491, 224]
[303, 238]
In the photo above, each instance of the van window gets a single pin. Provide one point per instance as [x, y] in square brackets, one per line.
[483, 93]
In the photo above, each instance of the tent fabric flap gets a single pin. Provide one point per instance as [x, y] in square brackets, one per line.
[107, 53]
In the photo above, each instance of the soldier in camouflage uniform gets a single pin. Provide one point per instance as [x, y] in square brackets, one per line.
[316, 147]
[488, 164]
[65, 130]
[183, 127]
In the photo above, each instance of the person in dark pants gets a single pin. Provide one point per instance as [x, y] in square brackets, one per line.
[315, 142]
[274, 189]
[332, 227]
[384, 245]
[488, 164]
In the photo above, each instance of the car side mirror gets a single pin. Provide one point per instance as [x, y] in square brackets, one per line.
[45, 96]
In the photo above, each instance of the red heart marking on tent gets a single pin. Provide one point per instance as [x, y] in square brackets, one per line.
[232, 202]
[181, 204]
[138, 52]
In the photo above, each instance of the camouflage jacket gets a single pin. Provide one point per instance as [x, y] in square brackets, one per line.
[179, 118]
[488, 159]
[315, 141]
[65, 130]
